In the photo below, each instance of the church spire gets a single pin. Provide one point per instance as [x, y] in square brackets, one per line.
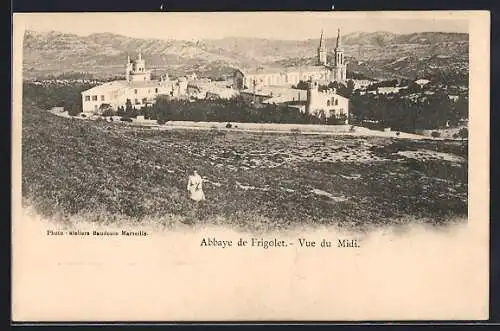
[339, 42]
[140, 54]
[322, 57]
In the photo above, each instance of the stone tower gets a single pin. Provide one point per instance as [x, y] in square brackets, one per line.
[136, 69]
[128, 68]
[312, 95]
[322, 51]
[339, 65]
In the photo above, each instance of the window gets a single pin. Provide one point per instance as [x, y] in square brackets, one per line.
[336, 102]
[102, 97]
[136, 101]
[328, 102]
[135, 91]
[94, 98]
[156, 90]
[87, 98]
[144, 100]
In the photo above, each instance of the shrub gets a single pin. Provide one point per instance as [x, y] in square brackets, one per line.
[161, 121]
[435, 134]
[463, 133]
[228, 125]
[74, 111]
[108, 112]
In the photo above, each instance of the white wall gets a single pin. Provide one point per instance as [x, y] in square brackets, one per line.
[331, 103]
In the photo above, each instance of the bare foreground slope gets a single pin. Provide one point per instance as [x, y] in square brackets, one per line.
[110, 172]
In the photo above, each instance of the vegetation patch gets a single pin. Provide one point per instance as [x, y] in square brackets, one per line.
[256, 181]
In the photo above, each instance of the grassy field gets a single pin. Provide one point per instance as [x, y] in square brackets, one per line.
[110, 172]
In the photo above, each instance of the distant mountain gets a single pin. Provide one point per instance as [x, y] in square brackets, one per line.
[104, 54]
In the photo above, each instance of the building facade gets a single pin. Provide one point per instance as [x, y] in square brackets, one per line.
[327, 103]
[324, 104]
[323, 71]
[138, 88]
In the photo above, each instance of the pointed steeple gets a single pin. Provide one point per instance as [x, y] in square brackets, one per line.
[321, 40]
[128, 59]
[339, 41]
[140, 55]
[322, 52]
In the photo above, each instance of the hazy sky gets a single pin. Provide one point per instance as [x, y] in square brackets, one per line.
[275, 25]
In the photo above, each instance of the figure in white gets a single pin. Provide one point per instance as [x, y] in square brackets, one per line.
[195, 188]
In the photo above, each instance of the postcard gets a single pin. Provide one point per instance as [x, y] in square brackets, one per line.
[250, 166]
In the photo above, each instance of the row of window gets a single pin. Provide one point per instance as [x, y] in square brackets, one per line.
[94, 98]
[332, 102]
[149, 91]
[282, 79]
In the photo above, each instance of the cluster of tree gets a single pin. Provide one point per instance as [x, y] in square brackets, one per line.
[403, 114]
[57, 95]
[449, 77]
[344, 90]
[355, 75]
[76, 75]
[233, 110]
[384, 83]
[73, 75]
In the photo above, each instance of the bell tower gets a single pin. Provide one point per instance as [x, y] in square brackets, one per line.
[322, 51]
[136, 69]
[339, 65]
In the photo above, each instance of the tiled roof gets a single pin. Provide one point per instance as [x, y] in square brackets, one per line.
[114, 85]
[144, 84]
[118, 84]
[276, 70]
[279, 91]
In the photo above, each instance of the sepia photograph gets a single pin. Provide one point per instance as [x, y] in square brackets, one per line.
[267, 125]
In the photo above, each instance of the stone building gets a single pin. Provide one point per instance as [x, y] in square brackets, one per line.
[322, 71]
[138, 87]
[326, 103]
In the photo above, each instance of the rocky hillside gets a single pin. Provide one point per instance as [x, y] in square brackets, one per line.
[104, 53]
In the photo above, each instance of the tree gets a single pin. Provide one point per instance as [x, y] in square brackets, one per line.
[463, 133]
[163, 108]
[301, 85]
[74, 110]
[128, 106]
[350, 86]
[120, 111]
